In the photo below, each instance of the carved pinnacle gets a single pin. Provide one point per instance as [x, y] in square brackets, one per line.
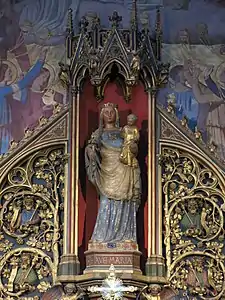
[70, 21]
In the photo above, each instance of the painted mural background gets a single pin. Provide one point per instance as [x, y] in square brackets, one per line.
[196, 52]
[32, 43]
[32, 34]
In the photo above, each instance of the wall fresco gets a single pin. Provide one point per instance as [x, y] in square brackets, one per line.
[197, 83]
[32, 43]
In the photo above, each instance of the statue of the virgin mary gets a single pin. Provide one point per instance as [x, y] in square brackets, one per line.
[118, 185]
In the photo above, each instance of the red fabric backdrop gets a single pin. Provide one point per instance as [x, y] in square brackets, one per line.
[89, 119]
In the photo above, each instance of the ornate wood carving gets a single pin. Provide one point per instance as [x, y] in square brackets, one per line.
[96, 49]
[194, 194]
[31, 228]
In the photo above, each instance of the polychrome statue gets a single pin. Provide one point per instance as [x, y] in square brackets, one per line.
[118, 185]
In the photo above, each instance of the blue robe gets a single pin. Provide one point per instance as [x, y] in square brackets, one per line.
[5, 110]
[26, 216]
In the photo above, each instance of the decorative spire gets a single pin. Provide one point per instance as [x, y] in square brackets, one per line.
[134, 25]
[134, 21]
[69, 28]
[70, 33]
[158, 30]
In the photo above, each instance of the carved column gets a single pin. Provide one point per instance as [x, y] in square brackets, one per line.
[155, 266]
[70, 265]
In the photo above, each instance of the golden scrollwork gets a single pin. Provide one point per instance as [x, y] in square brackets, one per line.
[31, 225]
[194, 224]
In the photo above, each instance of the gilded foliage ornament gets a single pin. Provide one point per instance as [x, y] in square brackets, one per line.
[31, 225]
[194, 224]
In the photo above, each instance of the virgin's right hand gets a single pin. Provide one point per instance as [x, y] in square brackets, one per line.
[90, 152]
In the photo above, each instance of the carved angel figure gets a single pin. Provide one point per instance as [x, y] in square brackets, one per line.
[135, 65]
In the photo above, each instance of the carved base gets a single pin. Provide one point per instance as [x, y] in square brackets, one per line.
[124, 256]
[155, 266]
[68, 268]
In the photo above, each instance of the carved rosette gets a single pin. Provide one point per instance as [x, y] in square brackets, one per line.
[194, 225]
[31, 225]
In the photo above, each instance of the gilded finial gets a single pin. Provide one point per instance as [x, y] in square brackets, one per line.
[171, 101]
[43, 121]
[184, 122]
[57, 109]
[112, 272]
[212, 147]
[28, 133]
[13, 145]
[198, 134]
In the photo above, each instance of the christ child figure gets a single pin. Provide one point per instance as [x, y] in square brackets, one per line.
[130, 135]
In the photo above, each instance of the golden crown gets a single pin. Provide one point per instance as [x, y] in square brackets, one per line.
[110, 104]
[26, 255]
[28, 199]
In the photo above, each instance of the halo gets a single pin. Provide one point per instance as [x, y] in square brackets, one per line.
[52, 75]
[219, 70]
[13, 69]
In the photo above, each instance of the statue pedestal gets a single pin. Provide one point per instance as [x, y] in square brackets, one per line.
[124, 256]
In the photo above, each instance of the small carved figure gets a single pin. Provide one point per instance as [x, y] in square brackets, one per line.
[130, 135]
[191, 221]
[93, 61]
[64, 75]
[197, 277]
[25, 215]
[135, 64]
[26, 277]
[71, 292]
